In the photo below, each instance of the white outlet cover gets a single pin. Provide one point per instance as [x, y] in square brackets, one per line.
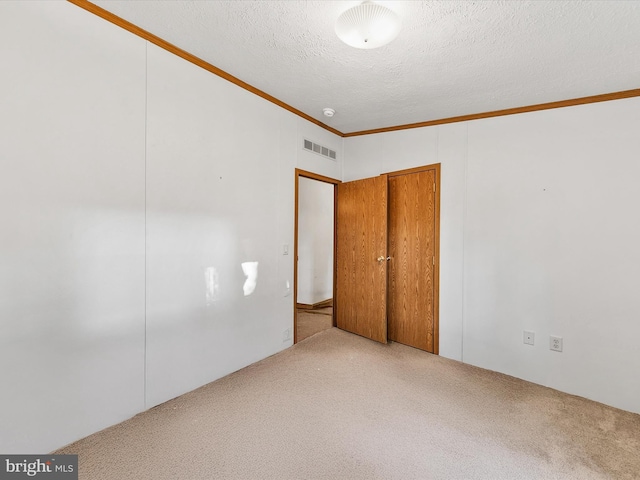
[529, 337]
[286, 334]
[555, 343]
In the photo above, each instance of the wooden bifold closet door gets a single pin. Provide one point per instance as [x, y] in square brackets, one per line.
[412, 248]
[387, 253]
[361, 266]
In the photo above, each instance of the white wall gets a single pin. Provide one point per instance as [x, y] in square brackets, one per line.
[213, 163]
[545, 226]
[551, 246]
[315, 241]
[72, 232]
[133, 187]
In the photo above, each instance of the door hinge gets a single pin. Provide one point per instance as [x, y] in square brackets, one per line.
[434, 260]
[434, 187]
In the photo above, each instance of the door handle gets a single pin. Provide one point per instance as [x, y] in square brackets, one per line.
[382, 259]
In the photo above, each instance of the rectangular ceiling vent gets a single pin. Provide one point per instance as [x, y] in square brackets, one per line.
[319, 149]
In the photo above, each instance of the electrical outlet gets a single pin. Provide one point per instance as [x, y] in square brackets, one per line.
[286, 334]
[555, 343]
[529, 337]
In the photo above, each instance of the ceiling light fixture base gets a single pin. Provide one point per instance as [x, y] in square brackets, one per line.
[368, 26]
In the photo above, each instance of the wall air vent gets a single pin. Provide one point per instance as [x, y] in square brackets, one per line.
[319, 149]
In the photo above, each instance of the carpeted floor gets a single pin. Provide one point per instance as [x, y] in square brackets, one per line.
[312, 321]
[338, 406]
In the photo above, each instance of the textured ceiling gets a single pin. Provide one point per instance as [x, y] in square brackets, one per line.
[451, 57]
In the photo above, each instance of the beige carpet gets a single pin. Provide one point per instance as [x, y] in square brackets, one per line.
[312, 321]
[338, 406]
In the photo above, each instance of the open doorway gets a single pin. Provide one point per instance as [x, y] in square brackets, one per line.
[314, 247]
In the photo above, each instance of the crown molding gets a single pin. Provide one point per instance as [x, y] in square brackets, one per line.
[509, 111]
[150, 37]
[130, 27]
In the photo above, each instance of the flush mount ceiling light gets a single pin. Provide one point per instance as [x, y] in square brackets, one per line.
[368, 25]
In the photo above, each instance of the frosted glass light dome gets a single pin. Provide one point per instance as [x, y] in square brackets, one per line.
[368, 25]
